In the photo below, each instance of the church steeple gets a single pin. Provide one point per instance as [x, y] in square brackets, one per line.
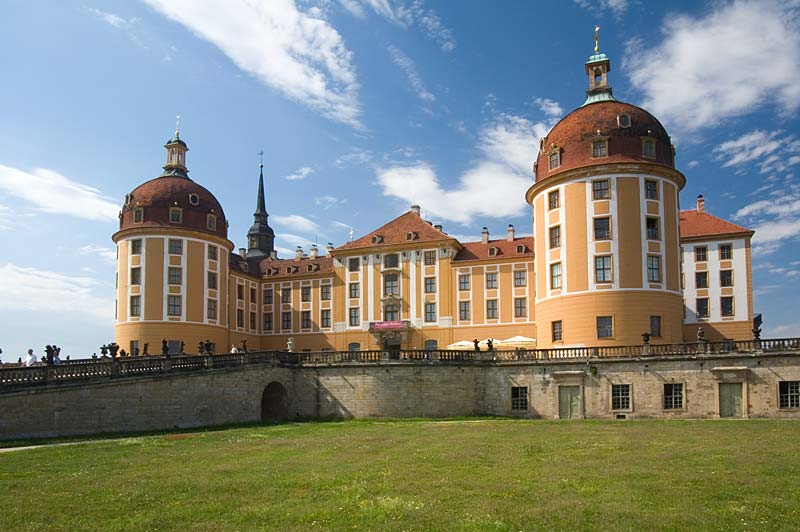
[597, 67]
[260, 237]
[176, 154]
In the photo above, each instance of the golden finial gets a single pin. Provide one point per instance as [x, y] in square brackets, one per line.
[596, 39]
[177, 124]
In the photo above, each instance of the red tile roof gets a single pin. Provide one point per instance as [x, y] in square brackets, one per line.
[505, 249]
[396, 230]
[294, 267]
[698, 224]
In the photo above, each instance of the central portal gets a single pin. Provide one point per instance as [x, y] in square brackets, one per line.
[392, 344]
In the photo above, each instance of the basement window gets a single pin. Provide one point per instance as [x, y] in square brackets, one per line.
[519, 398]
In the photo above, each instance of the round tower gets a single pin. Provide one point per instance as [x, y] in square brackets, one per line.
[172, 263]
[605, 210]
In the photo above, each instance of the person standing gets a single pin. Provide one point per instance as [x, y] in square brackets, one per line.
[30, 359]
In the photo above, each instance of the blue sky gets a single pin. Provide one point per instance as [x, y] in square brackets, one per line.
[363, 107]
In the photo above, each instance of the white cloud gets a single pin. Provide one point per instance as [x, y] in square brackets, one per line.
[300, 173]
[293, 241]
[493, 186]
[354, 157]
[693, 163]
[126, 25]
[772, 151]
[407, 66]
[354, 8]
[301, 56]
[295, 222]
[740, 56]
[42, 291]
[51, 192]
[107, 254]
[549, 107]
[784, 330]
[326, 202]
[617, 7]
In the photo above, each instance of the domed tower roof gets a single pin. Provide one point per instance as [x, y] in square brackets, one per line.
[151, 204]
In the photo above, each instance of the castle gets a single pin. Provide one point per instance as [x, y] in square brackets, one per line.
[612, 259]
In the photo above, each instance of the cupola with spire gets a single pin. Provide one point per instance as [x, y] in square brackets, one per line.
[260, 237]
[597, 67]
[176, 154]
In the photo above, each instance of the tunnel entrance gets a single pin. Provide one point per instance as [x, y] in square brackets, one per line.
[274, 403]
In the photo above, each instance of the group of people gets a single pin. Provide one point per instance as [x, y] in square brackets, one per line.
[52, 357]
[242, 349]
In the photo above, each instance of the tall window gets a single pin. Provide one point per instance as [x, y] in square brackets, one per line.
[391, 312]
[701, 279]
[136, 246]
[212, 252]
[602, 228]
[240, 292]
[325, 318]
[725, 252]
[305, 294]
[211, 222]
[175, 215]
[673, 396]
[653, 268]
[555, 236]
[354, 290]
[519, 398]
[702, 307]
[174, 275]
[211, 309]
[555, 276]
[268, 296]
[430, 311]
[789, 394]
[175, 246]
[354, 319]
[520, 278]
[463, 310]
[491, 280]
[520, 307]
[463, 282]
[391, 261]
[240, 318]
[430, 258]
[268, 322]
[726, 305]
[136, 305]
[605, 327]
[491, 309]
[252, 320]
[554, 160]
[553, 200]
[305, 319]
[651, 189]
[138, 215]
[252, 295]
[726, 278]
[325, 292]
[286, 321]
[652, 229]
[602, 269]
[655, 326]
[174, 306]
[649, 148]
[600, 189]
[353, 264]
[212, 280]
[600, 148]
[620, 397]
[391, 285]
[136, 276]
[700, 253]
[430, 285]
[286, 294]
[556, 330]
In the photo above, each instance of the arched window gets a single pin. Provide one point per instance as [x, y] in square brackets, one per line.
[598, 76]
[354, 346]
[431, 345]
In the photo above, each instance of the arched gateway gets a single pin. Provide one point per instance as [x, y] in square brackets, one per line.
[274, 403]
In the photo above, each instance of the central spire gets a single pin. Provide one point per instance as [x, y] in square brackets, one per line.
[260, 237]
[597, 67]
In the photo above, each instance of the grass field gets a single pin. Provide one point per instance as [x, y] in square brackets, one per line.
[481, 474]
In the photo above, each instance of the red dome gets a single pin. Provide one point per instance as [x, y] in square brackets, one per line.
[158, 195]
[574, 134]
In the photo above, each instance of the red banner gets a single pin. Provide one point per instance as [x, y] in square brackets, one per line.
[395, 325]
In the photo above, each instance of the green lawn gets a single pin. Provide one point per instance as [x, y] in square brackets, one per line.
[482, 474]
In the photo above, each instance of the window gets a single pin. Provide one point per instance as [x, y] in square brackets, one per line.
[305, 294]
[556, 330]
[174, 275]
[354, 346]
[649, 148]
[653, 268]
[212, 280]
[174, 306]
[463, 282]
[726, 305]
[391, 261]
[325, 292]
[240, 318]
[600, 189]
[211, 309]
[600, 148]
[430, 312]
[701, 279]
[789, 394]
[602, 269]
[240, 292]
[554, 160]
[491, 309]
[605, 327]
[726, 278]
[655, 326]
[136, 247]
[651, 189]
[725, 252]
[305, 319]
[520, 307]
[553, 200]
[463, 310]
[175, 246]
[325, 318]
[212, 252]
[136, 276]
[555, 276]
[268, 296]
[673, 396]
[491, 280]
[194, 199]
[430, 258]
[492, 251]
[620, 397]
[175, 215]
[702, 307]
[391, 285]
[391, 312]
[286, 321]
[136, 305]
[520, 278]
[353, 264]
[268, 322]
[252, 320]
[211, 222]
[286, 294]
[252, 295]
[354, 320]
[519, 398]
[138, 215]
[431, 345]
[652, 229]
[700, 253]
[430, 285]
[555, 236]
[602, 228]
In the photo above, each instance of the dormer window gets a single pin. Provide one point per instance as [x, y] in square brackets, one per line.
[649, 148]
[194, 199]
[128, 199]
[554, 159]
[138, 215]
[600, 147]
[211, 222]
[492, 251]
[624, 121]
[411, 235]
[175, 215]
[244, 266]
[377, 239]
[520, 249]
[310, 268]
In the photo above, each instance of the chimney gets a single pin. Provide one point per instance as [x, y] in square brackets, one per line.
[273, 255]
[329, 248]
[313, 253]
[438, 227]
[510, 233]
[485, 236]
[701, 204]
[415, 209]
[243, 252]
[298, 253]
